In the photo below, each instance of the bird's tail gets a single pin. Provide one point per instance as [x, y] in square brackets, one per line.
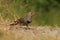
[14, 23]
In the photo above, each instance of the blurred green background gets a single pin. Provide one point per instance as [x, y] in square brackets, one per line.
[47, 12]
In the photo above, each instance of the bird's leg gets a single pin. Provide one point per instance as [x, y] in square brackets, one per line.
[27, 26]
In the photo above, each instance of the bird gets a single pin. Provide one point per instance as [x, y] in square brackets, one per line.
[24, 20]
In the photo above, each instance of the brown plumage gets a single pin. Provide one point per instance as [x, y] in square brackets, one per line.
[24, 20]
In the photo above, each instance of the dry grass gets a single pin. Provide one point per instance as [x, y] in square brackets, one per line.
[35, 33]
